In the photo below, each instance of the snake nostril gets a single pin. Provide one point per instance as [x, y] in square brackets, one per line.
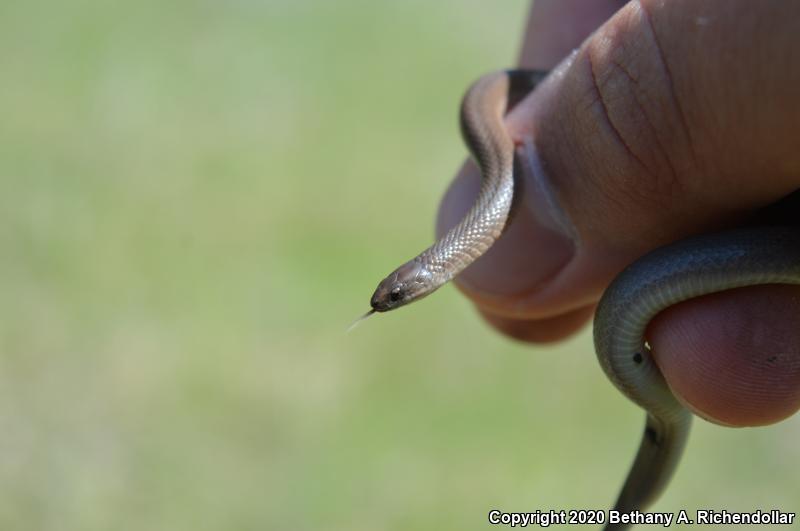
[637, 358]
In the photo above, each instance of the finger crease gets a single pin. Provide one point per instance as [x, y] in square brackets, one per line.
[643, 113]
[607, 116]
[670, 80]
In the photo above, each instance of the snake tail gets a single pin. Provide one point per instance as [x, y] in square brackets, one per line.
[667, 276]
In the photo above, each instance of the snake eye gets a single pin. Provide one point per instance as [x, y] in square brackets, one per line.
[394, 295]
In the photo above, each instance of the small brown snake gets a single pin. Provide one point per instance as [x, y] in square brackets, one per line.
[674, 273]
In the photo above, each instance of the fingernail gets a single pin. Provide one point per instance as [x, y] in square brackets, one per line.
[538, 242]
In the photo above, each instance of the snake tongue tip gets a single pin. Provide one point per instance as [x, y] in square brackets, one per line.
[358, 321]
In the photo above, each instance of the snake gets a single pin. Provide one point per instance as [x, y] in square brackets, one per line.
[671, 274]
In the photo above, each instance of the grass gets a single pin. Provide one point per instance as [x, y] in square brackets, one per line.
[198, 197]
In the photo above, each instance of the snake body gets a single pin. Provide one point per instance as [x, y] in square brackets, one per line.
[482, 111]
[669, 275]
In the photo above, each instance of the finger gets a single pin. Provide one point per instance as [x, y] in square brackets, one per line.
[556, 27]
[733, 357]
[540, 330]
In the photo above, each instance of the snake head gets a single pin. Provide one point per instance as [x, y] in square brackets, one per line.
[407, 283]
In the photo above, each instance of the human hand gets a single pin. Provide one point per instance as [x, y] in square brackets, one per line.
[673, 118]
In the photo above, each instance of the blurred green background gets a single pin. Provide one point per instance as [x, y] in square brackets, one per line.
[197, 198]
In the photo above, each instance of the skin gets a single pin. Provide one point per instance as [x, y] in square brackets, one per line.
[684, 126]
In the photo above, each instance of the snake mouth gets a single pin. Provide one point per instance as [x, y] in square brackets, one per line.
[384, 304]
[378, 303]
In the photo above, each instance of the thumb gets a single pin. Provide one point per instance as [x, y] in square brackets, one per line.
[665, 123]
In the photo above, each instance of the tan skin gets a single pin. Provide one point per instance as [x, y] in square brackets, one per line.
[673, 118]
